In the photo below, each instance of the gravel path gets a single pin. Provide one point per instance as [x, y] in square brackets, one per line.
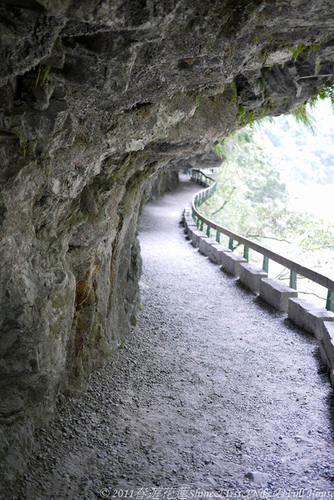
[214, 395]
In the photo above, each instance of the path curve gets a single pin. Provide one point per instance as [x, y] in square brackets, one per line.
[214, 395]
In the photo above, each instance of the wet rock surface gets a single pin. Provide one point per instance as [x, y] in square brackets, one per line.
[213, 392]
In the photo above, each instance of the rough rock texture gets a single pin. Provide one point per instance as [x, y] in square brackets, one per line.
[96, 97]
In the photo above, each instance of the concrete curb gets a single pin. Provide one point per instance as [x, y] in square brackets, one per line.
[309, 316]
[196, 236]
[231, 262]
[326, 347]
[276, 293]
[216, 253]
[251, 276]
[205, 245]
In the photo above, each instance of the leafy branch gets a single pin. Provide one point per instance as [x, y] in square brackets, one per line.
[42, 74]
[303, 117]
[327, 93]
[262, 236]
[225, 202]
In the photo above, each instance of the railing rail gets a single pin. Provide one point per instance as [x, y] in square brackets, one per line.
[293, 266]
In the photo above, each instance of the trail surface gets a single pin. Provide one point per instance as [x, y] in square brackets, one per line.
[214, 395]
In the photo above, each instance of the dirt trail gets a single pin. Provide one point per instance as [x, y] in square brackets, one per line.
[215, 394]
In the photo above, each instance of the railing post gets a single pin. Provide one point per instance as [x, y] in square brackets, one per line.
[208, 231]
[230, 243]
[293, 280]
[217, 236]
[265, 265]
[330, 301]
[246, 253]
[202, 224]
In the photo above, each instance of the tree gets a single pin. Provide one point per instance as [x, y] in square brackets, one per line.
[247, 178]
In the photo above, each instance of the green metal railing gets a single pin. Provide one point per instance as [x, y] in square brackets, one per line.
[210, 186]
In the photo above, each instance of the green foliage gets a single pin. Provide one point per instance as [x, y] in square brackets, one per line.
[234, 97]
[251, 117]
[42, 75]
[23, 143]
[327, 93]
[247, 177]
[219, 150]
[245, 118]
[315, 46]
[303, 117]
[297, 50]
[262, 84]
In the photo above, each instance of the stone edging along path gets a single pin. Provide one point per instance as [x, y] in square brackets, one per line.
[312, 318]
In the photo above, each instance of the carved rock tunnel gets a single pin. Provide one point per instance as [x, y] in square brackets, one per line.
[212, 392]
[99, 99]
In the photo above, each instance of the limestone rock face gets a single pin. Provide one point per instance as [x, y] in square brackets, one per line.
[97, 98]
